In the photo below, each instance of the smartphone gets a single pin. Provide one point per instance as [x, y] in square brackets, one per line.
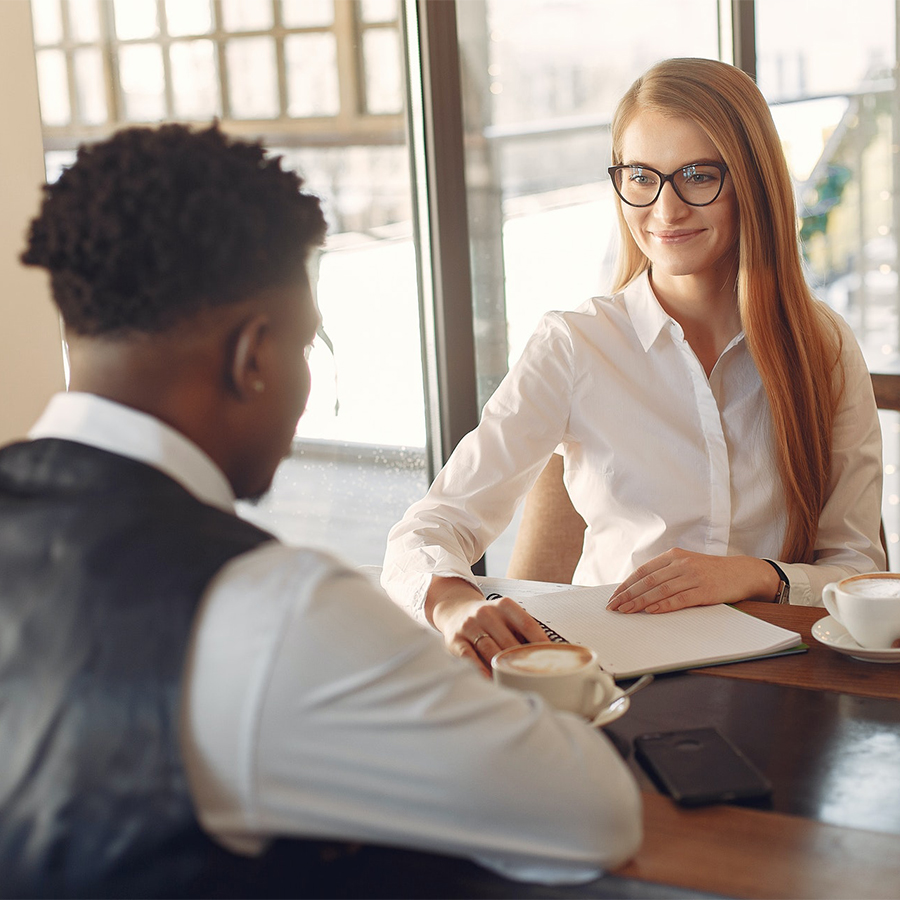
[699, 766]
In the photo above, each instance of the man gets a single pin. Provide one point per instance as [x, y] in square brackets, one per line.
[180, 690]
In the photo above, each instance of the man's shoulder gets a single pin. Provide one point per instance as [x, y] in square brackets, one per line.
[275, 567]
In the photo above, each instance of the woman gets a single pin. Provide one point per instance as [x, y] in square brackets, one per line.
[717, 423]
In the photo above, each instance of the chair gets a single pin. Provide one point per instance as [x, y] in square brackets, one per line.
[551, 535]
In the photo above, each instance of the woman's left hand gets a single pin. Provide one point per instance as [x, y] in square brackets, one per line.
[680, 578]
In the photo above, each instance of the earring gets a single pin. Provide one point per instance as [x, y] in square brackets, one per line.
[259, 386]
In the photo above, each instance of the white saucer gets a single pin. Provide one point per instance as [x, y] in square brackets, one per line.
[617, 710]
[831, 633]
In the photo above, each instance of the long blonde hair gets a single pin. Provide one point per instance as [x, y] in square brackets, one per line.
[794, 340]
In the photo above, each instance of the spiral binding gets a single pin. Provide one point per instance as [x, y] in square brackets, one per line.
[554, 636]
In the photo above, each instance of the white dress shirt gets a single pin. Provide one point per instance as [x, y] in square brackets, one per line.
[657, 456]
[313, 707]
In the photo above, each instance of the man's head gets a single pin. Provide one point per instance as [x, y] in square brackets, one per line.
[177, 259]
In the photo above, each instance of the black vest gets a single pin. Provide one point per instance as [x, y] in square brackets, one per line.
[102, 563]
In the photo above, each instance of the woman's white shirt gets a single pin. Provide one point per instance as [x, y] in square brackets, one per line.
[657, 455]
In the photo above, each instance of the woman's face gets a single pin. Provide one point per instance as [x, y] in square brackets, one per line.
[679, 239]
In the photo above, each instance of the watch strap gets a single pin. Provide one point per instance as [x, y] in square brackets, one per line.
[784, 589]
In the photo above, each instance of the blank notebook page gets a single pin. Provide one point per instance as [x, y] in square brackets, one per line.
[631, 644]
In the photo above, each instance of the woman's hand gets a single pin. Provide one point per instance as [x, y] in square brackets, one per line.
[679, 578]
[475, 628]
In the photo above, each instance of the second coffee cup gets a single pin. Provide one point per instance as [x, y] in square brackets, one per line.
[566, 675]
[868, 606]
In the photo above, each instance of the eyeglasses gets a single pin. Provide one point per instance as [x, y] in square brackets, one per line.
[697, 184]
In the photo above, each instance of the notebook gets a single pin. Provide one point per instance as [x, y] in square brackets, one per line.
[630, 645]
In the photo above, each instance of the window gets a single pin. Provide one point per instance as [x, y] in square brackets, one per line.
[829, 78]
[322, 83]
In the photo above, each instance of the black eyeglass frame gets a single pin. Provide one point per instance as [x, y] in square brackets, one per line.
[723, 169]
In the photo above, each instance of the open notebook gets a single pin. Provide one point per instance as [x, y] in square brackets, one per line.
[630, 645]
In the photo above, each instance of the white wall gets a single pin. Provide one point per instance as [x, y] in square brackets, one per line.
[31, 365]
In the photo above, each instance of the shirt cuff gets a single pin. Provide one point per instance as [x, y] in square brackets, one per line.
[801, 590]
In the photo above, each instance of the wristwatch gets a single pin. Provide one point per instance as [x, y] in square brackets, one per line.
[784, 588]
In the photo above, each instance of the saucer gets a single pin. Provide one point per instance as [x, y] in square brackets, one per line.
[617, 709]
[831, 633]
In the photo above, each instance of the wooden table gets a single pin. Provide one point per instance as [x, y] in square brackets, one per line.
[826, 730]
[823, 727]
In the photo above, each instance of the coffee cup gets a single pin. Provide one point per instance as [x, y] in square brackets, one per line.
[868, 606]
[566, 675]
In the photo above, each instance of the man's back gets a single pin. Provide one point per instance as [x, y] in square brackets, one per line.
[93, 794]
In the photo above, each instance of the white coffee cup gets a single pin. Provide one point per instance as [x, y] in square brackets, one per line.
[566, 675]
[868, 606]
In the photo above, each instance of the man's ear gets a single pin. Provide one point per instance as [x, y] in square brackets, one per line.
[247, 367]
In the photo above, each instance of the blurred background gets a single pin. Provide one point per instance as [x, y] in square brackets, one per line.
[345, 90]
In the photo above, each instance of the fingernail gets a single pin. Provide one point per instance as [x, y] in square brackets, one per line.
[627, 606]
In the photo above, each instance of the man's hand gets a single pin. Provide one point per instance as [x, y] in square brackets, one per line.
[679, 578]
[475, 628]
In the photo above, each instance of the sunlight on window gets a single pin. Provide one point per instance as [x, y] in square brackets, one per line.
[90, 85]
[184, 17]
[53, 87]
[135, 19]
[84, 20]
[195, 85]
[46, 18]
[378, 10]
[246, 15]
[143, 83]
[252, 80]
[306, 13]
[384, 76]
[312, 78]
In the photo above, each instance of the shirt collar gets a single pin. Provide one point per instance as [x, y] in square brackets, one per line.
[649, 318]
[98, 422]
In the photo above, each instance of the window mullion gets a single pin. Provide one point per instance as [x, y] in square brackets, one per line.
[743, 25]
[445, 218]
[165, 44]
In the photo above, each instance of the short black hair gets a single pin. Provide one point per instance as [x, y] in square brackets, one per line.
[153, 225]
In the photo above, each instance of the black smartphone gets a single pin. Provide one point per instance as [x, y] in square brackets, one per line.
[699, 766]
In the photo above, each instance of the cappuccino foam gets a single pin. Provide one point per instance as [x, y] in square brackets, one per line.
[876, 586]
[553, 660]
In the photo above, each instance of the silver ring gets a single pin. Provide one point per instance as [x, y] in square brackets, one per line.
[483, 634]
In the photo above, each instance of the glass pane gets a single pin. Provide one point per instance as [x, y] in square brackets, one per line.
[312, 76]
[84, 21]
[46, 21]
[195, 85]
[541, 82]
[834, 101]
[142, 81]
[247, 15]
[307, 13]
[55, 161]
[252, 78]
[384, 78]
[185, 17]
[135, 19]
[379, 10]
[90, 86]
[53, 87]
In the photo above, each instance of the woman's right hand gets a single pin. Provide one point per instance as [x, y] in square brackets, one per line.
[475, 628]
